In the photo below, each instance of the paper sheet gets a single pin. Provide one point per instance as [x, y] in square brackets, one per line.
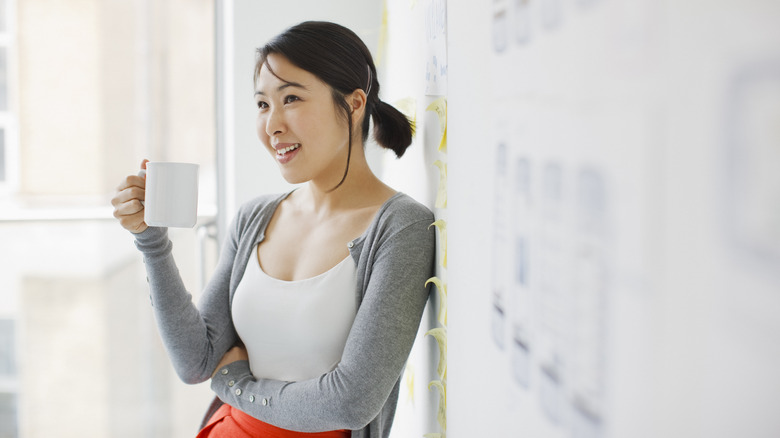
[441, 415]
[439, 106]
[441, 287]
[436, 65]
[409, 381]
[441, 225]
[440, 334]
[441, 193]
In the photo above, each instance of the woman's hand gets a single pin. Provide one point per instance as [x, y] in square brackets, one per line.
[128, 202]
[233, 355]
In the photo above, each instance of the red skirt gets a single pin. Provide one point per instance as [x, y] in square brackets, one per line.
[231, 422]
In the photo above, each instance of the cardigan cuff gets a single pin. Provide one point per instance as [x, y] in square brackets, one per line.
[152, 240]
[230, 383]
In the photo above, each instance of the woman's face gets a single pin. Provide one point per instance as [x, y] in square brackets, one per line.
[299, 124]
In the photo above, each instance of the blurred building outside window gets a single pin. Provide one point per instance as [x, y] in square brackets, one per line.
[7, 142]
[88, 88]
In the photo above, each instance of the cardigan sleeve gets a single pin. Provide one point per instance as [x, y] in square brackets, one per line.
[195, 337]
[378, 345]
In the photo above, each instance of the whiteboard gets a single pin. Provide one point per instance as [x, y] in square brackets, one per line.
[607, 274]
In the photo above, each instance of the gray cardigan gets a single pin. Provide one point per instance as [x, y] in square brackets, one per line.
[394, 258]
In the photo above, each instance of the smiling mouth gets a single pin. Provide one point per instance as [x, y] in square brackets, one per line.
[281, 152]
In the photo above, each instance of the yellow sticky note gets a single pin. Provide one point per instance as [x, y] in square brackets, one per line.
[441, 225]
[408, 107]
[440, 107]
[440, 334]
[441, 194]
[441, 415]
[441, 287]
[409, 380]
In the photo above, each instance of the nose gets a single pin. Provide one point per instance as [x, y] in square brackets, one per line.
[274, 123]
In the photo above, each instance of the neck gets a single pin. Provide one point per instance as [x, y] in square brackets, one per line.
[356, 188]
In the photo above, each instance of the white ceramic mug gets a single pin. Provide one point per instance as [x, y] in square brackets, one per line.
[171, 194]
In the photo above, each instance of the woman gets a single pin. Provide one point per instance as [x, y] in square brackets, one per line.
[316, 300]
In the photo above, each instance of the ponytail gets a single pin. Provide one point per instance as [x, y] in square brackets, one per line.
[392, 130]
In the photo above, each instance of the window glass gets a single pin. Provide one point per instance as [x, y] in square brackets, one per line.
[74, 303]
[8, 426]
[7, 359]
[2, 155]
[3, 15]
[3, 79]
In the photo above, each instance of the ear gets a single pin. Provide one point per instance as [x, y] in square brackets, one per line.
[357, 102]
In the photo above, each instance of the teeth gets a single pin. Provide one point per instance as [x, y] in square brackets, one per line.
[288, 149]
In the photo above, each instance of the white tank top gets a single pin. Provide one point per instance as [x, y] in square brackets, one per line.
[295, 330]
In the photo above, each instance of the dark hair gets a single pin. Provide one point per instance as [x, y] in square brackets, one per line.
[338, 57]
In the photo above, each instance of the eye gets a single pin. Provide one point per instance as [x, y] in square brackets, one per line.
[291, 99]
[261, 104]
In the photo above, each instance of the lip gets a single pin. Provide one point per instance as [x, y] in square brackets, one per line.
[285, 158]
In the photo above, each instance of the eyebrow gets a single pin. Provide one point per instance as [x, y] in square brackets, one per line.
[283, 86]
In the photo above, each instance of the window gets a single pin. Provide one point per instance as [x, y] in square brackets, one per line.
[74, 303]
[8, 377]
[6, 115]
[8, 374]
[8, 426]
[4, 79]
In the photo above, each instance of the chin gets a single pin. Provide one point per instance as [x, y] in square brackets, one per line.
[294, 179]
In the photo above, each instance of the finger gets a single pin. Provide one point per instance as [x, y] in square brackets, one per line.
[129, 208]
[142, 172]
[128, 194]
[132, 181]
[132, 192]
[131, 215]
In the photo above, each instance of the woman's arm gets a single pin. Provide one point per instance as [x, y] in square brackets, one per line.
[195, 340]
[376, 350]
